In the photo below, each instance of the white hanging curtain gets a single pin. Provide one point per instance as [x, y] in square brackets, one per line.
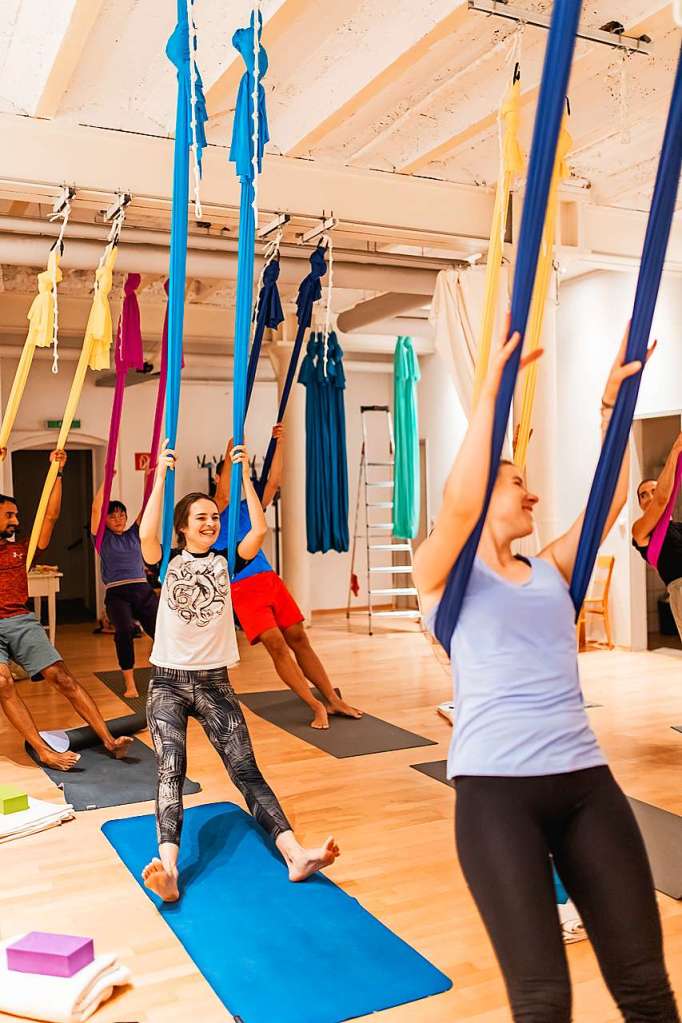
[456, 308]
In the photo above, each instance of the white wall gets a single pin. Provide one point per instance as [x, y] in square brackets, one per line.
[441, 421]
[592, 315]
[205, 423]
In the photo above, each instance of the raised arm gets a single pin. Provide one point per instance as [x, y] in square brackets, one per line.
[562, 552]
[274, 480]
[222, 491]
[54, 505]
[253, 541]
[465, 489]
[96, 511]
[646, 523]
[150, 523]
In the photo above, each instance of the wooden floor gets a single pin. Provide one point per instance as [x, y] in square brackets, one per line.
[393, 824]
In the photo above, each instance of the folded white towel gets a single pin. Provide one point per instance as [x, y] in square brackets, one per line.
[59, 999]
[38, 817]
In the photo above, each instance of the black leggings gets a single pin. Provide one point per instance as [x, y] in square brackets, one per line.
[127, 604]
[506, 828]
[173, 697]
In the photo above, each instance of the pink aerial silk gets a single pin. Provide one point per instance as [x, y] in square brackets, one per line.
[658, 536]
[129, 355]
[158, 412]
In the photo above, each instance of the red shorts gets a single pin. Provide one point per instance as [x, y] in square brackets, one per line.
[263, 602]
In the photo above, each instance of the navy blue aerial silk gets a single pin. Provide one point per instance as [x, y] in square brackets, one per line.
[555, 74]
[648, 282]
[177, 51]
[326, 456]
[310, 290]
[268, 314]
[241, 154]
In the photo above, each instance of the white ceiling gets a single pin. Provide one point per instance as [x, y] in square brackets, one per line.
[387, 85]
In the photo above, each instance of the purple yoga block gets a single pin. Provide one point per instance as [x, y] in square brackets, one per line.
[53, 955]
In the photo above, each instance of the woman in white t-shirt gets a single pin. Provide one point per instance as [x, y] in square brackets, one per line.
[195, 644]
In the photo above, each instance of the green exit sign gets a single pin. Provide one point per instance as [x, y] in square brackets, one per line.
[56, 424]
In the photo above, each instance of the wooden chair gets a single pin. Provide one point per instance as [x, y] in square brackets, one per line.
[597, 602]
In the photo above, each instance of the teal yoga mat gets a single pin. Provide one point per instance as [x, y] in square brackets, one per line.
[272, 950]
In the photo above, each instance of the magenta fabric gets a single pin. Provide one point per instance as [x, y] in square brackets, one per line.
[158, 412]
[657, 540]
[129, 354]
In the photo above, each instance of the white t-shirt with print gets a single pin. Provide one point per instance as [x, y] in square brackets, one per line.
[195, 625]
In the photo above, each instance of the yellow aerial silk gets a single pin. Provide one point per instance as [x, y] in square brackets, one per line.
[512, 159]
[40, 330]
[94, 355]
[540, 289]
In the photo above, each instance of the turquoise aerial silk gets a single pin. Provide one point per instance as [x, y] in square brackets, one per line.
[241, 154]
[177, 51]
[406, 492]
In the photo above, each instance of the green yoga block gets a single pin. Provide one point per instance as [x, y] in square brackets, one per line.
[12, 800]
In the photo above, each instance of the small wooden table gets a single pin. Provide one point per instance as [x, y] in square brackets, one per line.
[43, 583]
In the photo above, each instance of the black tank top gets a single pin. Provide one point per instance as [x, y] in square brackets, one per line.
[670, 560]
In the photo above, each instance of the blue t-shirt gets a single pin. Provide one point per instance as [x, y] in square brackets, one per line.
[519, 707]
[260, 563]
[121, 557]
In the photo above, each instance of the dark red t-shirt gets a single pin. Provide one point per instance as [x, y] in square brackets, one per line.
[13, 578]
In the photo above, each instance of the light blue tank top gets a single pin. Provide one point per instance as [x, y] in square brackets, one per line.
[518, 703]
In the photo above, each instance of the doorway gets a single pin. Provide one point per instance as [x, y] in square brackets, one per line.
[70, 548]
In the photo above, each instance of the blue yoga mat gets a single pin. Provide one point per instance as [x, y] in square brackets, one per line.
[273, 950]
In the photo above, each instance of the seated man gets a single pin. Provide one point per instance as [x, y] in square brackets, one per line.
[653, 496]
[23, 639]
[128, 596]
[268, 613]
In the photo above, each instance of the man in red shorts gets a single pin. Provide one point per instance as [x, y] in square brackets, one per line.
[23, 639]
[268, 613]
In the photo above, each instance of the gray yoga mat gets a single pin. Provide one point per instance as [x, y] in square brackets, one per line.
[114, 680]
[434, 769]
[662, 833]
[345, 737]
[99, 780]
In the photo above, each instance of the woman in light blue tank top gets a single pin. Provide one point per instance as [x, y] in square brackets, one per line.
[532, 782]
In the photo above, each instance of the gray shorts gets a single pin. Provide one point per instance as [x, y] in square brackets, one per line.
[23, 639]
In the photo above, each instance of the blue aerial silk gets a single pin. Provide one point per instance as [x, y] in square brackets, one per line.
[651, 267]
[309, 291]
[555, 74]
[241, 154]
[177, 51]
[326, 455]
[268, 314]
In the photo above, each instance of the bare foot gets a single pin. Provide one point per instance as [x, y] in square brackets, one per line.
[309, 861]
[320, 719]
[119, 747]
[343, 709]
[59, 761]
[163, 884]
[131, 693]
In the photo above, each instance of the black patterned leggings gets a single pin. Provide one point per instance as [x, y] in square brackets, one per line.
[173, 697]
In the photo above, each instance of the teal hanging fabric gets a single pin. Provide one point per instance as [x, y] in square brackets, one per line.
[188, 130]
[248, 163]
[326, 455]
[406, 490]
